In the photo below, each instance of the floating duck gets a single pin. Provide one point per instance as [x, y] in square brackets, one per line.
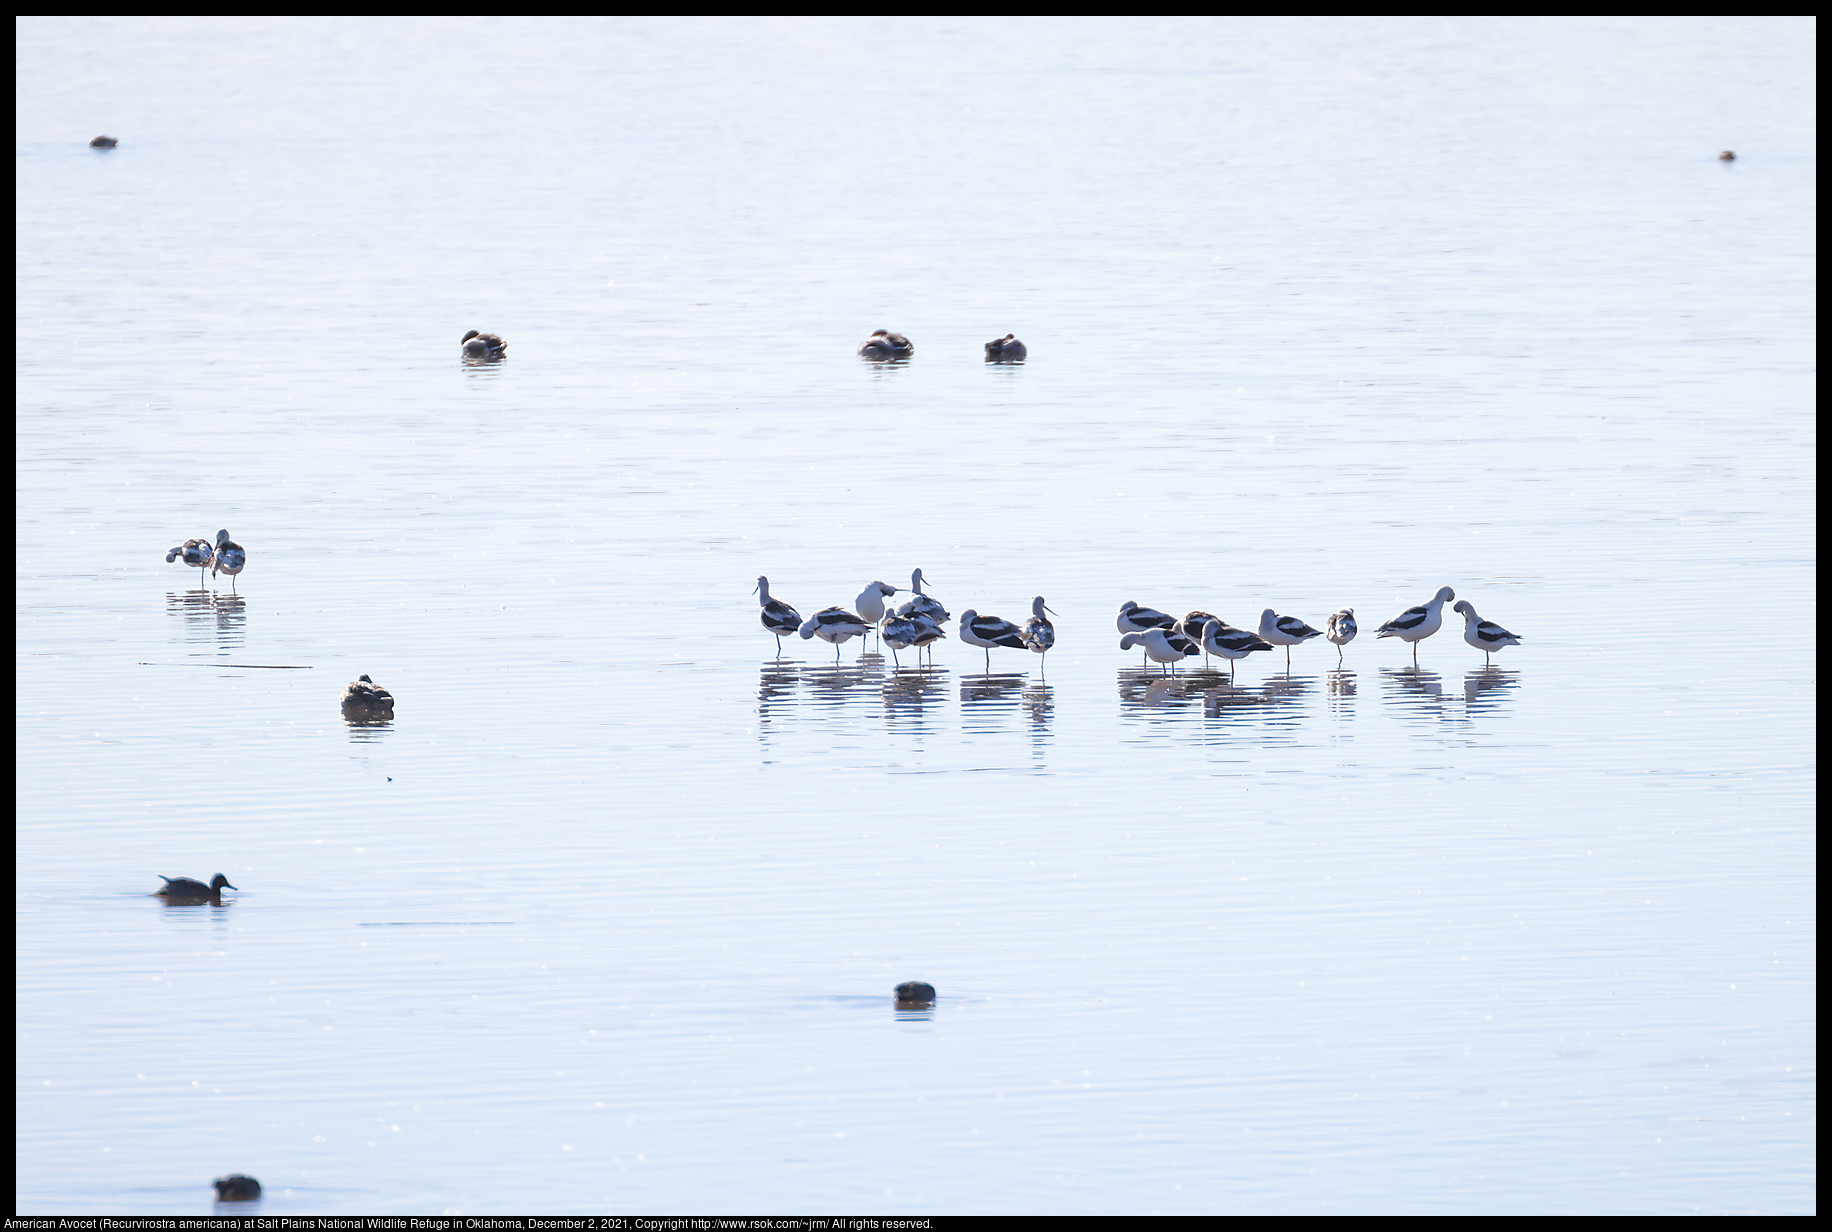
[103, 143]
[367, 698]
[482, 346]
[1007, 347]
[185, 891]
[885, 345]
[236, 1188]
[914, 993]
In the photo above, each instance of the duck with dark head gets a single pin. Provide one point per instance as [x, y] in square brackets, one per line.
[482, 346]
[1005, 348]
[885, 345]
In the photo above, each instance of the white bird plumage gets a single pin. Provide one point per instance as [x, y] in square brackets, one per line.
[1415, 624]
[923, 605]
[989, 631]
[870, 603]
[1484, 635]
[778, 617]
[1039, 634]
[197, 553]
[1162, 645]
[1224, 641]
[1286, 631]
[1341, 630]
[834, 625]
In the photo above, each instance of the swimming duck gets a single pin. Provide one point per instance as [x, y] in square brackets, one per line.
[186, 891]
[103, 143]
[913, 993]
[236, 1188]
[1007, 347]
[230, 558]
[1727, 156]
[885, 345]
[482, 346]
[367, 696]
[197, 553]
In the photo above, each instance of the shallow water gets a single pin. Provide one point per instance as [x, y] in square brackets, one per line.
[608, 916]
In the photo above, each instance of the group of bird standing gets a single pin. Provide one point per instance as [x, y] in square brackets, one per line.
[224, 556]
[1163, 638]
[915, 625]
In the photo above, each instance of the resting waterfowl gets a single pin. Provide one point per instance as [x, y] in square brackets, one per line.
[885, 345]
[482, 346]
[186, 890]
[367, 697]
[103, 143]
[1007, 347]
[197, 553]
[1726, 156]
[236, 1188]
[230, 558]
[914, 993]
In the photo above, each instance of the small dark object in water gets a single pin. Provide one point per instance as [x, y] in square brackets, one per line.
[185, 890]
[103, 143]
[365, 692]
[236, 1188]
[482, 346]
[885, 345]
[915, 993]
[1007, 347]
[1727, 156]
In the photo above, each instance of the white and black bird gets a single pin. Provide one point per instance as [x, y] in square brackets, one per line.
[475, 345]
[1162, 645]
[1224, 641]
[927, 633]
[230, 558]
[989, 631]
[778, 617]
[898, 632]
[1286, 631]
[870, 603]
[923, 605]
[835, 625]
[1191, 627]
[1039, 634]
[197, 553]
[1340, 629]
[1415, 624]
[1136, 619]
[1484, 635]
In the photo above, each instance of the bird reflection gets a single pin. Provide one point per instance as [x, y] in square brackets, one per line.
[366, 730]
[907, 694]
[996, 691]
[1415, 689]
[1485, 688]
[209, 617]
[1340, 685]
[1039, 699]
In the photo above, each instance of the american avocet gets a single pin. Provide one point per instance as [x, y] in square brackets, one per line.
[197, 553]
[364, 697]
[898, 632]
[185, 890]
[1007, 347]
[870, 603]
[482, 346]
[926, 635]
[778, 617]
[1162, 645]
[1415, 624]
[1039, 633]
[1341, 630]
[923, 605]
[1223, 640]
[989, 631]
[1191, 627]
[230, 558]
[1136, 619]
[1484, 635]
[885, 345]
[835, 625]
[1286, 631]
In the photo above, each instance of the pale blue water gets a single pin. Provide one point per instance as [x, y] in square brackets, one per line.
[607, 918]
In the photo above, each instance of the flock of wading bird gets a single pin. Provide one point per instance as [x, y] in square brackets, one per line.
[1164, 639]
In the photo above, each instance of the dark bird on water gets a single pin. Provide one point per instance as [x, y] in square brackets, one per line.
[885, 345]
[185, 890]
[482, 346]
[236, 1188]
[103, 143]
[364, 697]
[915, 993]
[1007, 347]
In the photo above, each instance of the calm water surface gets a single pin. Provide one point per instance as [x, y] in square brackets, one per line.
[608, 916]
